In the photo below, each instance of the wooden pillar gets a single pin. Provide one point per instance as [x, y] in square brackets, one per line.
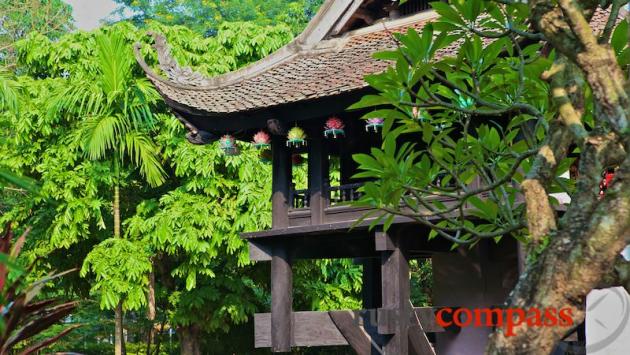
[371, 290]
[281, 181]
[281, 300]
[394, 315]
[317, 174]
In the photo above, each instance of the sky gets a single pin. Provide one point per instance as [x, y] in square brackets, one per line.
[88, 13]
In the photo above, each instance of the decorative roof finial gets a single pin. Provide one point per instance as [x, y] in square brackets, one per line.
[168, 64]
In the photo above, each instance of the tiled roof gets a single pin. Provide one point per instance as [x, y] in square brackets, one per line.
[329, 68]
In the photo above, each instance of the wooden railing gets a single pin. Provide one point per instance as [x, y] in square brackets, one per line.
[343, 193]
[335, 195]
[300, 199]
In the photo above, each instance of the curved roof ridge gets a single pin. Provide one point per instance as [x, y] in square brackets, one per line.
[187, 78]
[314, 33]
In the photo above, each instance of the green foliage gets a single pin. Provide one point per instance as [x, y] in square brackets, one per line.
[51, 18]
[9, 90]
[328, 284]
[9, 178]
[421, 273]
[103, 109]
[206, 16]
[461, 131]
[83, 120]
[620, 42]
[115, 109]
[120, 267]
[195, 228]
[456, 123]
[235, 45]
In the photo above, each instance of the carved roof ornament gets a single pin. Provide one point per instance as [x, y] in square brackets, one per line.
[168, 64]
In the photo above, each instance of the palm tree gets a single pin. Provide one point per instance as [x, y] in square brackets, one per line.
[115, 111]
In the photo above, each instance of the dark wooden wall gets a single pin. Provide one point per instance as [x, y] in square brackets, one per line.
[478, 278]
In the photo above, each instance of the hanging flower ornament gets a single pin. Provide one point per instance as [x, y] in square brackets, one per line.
[262, 140]
[374, 124]
[296, 137]
[334, 127]
[228, 145]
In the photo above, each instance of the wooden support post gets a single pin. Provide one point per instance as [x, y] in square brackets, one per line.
[418, 341]
[371, 290]
[281, 181]
[393, 317]
[281, 300]
[317, 174]
[356, 337]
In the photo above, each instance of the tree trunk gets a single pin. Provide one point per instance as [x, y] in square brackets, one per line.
[578, 258]
[116, 207]
[189, 340]
[119, 339]
[593, 231]
[151, 310]
[158, 340]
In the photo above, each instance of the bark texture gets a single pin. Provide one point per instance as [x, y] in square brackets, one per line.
[189, 340]
[151, 310]
[119, 336]
[584, 245]
[119, 331]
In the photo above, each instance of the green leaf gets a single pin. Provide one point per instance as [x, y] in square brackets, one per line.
[619, 39]
[191, 281]
[447, 12]
[367, 162]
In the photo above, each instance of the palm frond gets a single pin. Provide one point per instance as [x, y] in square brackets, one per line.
[115, 63]
[115, 109]
[144, 154]
[80, 97]
[98, 134]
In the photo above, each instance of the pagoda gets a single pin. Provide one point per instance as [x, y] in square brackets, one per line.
[309, 83]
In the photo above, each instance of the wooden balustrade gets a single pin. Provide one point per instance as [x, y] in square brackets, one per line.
[300, 199]
[335, 195]
[343, 193]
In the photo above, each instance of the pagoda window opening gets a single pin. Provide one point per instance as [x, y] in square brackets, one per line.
[299, 193]
[340, 188]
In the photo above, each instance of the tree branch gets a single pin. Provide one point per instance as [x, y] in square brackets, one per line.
[612, 20]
